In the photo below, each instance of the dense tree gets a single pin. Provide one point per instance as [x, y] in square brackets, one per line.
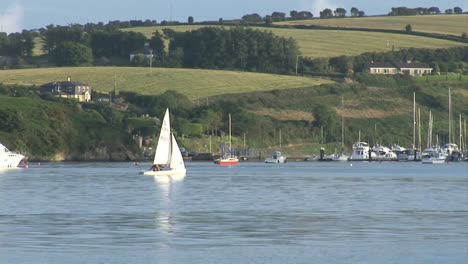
[326, 118]
[434, 10]
[408, 28]
[17, 44]
[72, 54]
[354, 11]
[326, 13]
[457, 10]
[340, 12]
[252, 18]
[449, 11]
[278, 16]
[116, 43]
[55, 35]
[238, 48]
[190, 19]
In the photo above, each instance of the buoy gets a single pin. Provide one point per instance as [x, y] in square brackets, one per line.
[351, 165]
[39, 164]
[26, 166]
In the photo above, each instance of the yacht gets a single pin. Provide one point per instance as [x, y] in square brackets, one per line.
[9, 159]
[433, 155]
[384, 153]
[361, 151]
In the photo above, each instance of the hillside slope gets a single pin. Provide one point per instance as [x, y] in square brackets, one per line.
[190, 82]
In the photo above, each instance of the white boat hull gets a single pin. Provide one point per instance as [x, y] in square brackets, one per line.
[9, 160]
[340, 157]
[166, 173]
[275, 160]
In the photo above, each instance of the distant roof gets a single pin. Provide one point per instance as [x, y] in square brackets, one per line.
[381, 65]
[411, 65]
[66, 83]
[397, 65]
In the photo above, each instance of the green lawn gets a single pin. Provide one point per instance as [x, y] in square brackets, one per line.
[331, 43]
[442, 24]
[193, 83]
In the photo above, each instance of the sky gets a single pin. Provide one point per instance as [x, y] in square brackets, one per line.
[16, 15]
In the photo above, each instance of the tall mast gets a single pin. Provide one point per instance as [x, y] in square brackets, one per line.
[449, 117]
[230, 146]
[419, 129]
[460, 134]
[414, 120]
[342, 124]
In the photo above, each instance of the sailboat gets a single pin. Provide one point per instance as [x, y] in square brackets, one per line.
[341, 156]
[228, 159]
[168, 159]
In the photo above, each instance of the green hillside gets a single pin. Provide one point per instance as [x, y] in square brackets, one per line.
[441, 24]
[192, 83]
[332, 43]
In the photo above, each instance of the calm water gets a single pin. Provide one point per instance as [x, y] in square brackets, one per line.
[299, 212]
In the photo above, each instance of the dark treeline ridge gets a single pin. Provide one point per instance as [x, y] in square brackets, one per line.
[236, 48]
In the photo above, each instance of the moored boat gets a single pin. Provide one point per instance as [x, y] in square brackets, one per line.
[277, 157]
[9, 159]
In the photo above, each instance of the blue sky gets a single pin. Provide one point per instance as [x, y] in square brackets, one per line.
[16, 15]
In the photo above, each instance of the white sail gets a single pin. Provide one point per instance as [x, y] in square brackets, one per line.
[163, 150]
[177, 162]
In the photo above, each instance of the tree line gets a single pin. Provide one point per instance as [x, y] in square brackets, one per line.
[406, 11]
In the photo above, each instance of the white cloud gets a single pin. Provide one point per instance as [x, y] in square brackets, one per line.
[10, 19]
[315, 6]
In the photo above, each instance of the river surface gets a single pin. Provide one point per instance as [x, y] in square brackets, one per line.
[298, 212]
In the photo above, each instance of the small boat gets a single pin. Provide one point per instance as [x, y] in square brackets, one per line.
[228, 159]
[340, 157]
[433, 156]
[361, 151]
[9, 159]
[168, 159]
[277, 157]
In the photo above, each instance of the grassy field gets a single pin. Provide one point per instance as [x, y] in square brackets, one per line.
[193, 83]
[442, 24]
[331, 43]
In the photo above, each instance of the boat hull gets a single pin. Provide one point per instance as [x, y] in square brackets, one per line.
[277, 160]
[10, 160]
[166, 173]
[230, 161]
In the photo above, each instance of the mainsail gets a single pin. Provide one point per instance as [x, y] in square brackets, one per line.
[163, 150]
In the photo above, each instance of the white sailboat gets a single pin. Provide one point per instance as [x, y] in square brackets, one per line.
[9, 159]
[341, 156]
[228, 159]
[168, 159]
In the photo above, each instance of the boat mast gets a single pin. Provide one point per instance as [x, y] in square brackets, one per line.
[429, 134]
[230, 144]
[280, 137]
[460, 139]
[419, 129]
[449, 116]
[414, 120]
[342, 125]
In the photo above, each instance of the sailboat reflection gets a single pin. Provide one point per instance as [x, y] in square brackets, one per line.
[167, 188]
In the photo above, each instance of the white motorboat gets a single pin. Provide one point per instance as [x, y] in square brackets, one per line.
[361, 151]
[340, 157]
[9, 159]
[168, 160]
[277, 157]
[433, 155]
